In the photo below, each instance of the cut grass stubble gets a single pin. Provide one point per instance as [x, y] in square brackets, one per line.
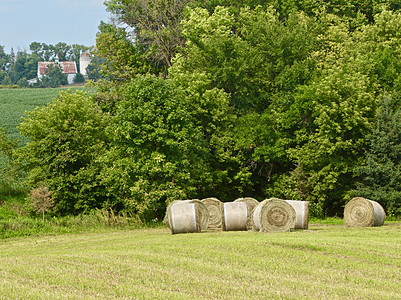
[323, 262]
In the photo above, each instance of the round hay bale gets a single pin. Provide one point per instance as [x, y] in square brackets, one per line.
[216, 213]
[235, 216]
[273, 215]
[362, 212]
[302, 213]
[183, 218]
[201, 211]
[251, 203]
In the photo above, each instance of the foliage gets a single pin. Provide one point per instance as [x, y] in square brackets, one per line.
[380, 176]
[25, 66]
[10, 174]
[62, 50]
[155, 25]
[157, 153]
[211, 113]
[119, 60]
[79, 78]
[332, 144]
[255, 98]
[65, 139]
[122, 59]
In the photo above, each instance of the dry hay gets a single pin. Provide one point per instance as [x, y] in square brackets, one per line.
[302, 213]
[235, 216]
[183, 217]
[216, 213]
[274, 215]
[251, 203]
[200, 210]
[362, 212]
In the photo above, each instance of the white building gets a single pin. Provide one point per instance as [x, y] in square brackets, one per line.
[84, 61]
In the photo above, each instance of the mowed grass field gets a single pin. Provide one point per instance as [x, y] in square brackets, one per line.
[15, 102]
[323, 262]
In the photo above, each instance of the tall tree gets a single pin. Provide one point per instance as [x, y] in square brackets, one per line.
[380, 177]
[154, 24]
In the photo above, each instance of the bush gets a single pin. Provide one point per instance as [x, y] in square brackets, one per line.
[65, 139]
[79, 78]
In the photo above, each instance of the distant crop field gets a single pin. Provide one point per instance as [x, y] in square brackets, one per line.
[15, 102]
[324, 262]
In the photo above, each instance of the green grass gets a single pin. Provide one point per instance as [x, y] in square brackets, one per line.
[15, 102]
[324, 262]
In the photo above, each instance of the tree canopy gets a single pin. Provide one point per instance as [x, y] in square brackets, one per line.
[237, 98]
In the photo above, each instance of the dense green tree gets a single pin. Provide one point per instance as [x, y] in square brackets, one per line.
[94, 68]
[25, 66]
[211, 112]
[258, 66]
[6, 80]
[65, 139]
[119, 61]
[3, 59]
[155, 25]
[158, 154]
[122, 60]
[79, 78]
[380, 177]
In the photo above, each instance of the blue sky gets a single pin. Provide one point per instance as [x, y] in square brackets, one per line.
[50, 21]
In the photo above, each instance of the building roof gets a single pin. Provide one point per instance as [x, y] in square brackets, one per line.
[67, 67]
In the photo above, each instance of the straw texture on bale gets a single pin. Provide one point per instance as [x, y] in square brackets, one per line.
[235, 216]
[183, 218]
[362, 212]
[302, 213]
[200, 209]
[216, 213]
[251, 203]
[273, 215]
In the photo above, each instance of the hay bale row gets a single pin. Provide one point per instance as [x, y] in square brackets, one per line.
[270, 215]
[362, 212]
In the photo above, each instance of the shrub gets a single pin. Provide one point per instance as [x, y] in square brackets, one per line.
[65, 139]
[79, 78]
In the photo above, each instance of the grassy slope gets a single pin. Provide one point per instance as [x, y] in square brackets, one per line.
[324, 262]
[14, 103]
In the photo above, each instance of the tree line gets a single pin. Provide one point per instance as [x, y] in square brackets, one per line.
[16, 68]
[289, 99]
